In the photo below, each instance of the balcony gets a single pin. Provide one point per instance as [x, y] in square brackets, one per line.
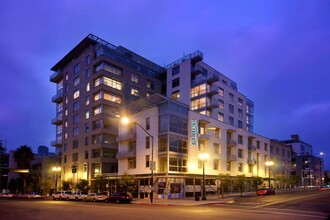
[213, 90]
[125, 154]
[213, 77]
[195, 70]
[231, 157]
[252, 147]
[57, 76]
[57, 143]
[204, 137]
[207, 78]
[57, 120]
[196, 56]
[231, 143]
[213, 104]
[251, 161]
[130, 136]
[58, 97]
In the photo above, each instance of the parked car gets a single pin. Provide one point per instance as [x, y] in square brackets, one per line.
[119, 198]
[325, 187]
[266, 191]
[94, 197]
[76, 196]
[61, 195]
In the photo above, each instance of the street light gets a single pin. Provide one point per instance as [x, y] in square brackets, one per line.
[203, 157]
[56, 170]
[126, 121]
[269, 164]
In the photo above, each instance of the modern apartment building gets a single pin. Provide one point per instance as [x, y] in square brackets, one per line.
[209, 92]
[167, 132]
[280, 154]
[92, 81]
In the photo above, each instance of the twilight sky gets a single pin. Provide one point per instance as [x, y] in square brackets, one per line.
[278, 52]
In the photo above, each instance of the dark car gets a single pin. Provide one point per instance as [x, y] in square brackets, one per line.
[119, 198]
[266, 191]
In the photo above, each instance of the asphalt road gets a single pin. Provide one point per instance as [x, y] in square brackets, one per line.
[297, 205]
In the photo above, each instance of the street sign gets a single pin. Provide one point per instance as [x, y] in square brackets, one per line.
[152, 165]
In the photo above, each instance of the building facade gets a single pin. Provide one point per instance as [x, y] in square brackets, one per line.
[167, 132]
[92, 81]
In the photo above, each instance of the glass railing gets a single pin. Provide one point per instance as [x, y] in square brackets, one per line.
[187, 57]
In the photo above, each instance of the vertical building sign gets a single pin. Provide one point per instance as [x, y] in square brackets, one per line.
[194, 133]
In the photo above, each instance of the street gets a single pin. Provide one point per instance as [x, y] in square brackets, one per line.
[292, 205]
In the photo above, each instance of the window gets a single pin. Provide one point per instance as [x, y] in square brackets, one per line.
[221, 116]
[198, 103]
[217, 133]
[64, 158]
[231, 97]
[176, 95]
[88, 87]
[66, 99]
[231, 108]
[198, 90]
[147, 160]
[98, 110]
[231, 120]
[135, 91]
[178, 164]
[76, 94]
[87, 100]
[75, 144]
[258, 144]
[86, 128]
[215, 164]
[216, 148]
[65, 135]
[66, 112]
[87, 114]
[66, 76]
[108, 97]
[221, 104]
[147, 142]
[240, 113]
[228, 166]
[240, 139]
[221, 92]
[75, 131]
[88, 73]
[86, 141]
[201, 146]
[201, 128]
[131, 163]
[85, 167]
[150, 84]
[88, 59]
[135, 78]
[147, 123]
[240, 102]
[240, 124]
[240, 153]
[75, 106]
[95, 153]
[75, 119]
[75, 157]
[240, 167]
[175, 82]
[77, 68]
[76, 81]
[175, 70]
[266, 147]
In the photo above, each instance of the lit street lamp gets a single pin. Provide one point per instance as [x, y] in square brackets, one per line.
[56, 170]
[125, 120]
[269, 164]
[203, 157]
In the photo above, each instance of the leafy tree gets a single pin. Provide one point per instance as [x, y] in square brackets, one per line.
[66, 185]
[240, 182]
[294, 180]
[99, 184]
[256, 181]
[225, 181]
[45, 186]
[2, 149]
[23, 157]
[127, 183]
[83, 186]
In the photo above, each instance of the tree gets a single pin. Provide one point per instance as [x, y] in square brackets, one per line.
[83, 186]
[127, 183]
[225, 181]
[23, 157]
[240, 182]
[294, 180]
[256, 181]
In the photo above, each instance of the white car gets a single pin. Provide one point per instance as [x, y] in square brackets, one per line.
[94, 197]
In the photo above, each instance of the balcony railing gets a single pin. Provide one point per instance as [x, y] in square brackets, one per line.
[194, 57]
[125, 154]
[252, 161]
[55, 77]
[195, 70]
[252, 147]
[57, 143]
[231, 143]
[213, 104]
[231, 157]
[209, 78]
[126, 137]
[57, 120]
[213, 90]
[58, 97]
[204, 137]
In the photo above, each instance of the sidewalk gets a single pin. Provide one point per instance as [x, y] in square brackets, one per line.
[190, 201]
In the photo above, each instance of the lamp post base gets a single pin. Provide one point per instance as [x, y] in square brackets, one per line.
[203, 198]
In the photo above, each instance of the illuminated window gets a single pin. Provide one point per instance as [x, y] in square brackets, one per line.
[240, 167]
[87, 114]
[176, 95]
[240, 153]
[217, 133]
[98, 110]
[131, 163]
[87, 100]
[221, 116]
[215, 164]
[198, 90]
[135, 78]
[76, 94]
[108, 82]
[221, 104]
[201, 146]
[88, 87]
[198, 103]
[147, 160]
[240, 102]
[221, 92]
[150, 84]
[135, 92]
